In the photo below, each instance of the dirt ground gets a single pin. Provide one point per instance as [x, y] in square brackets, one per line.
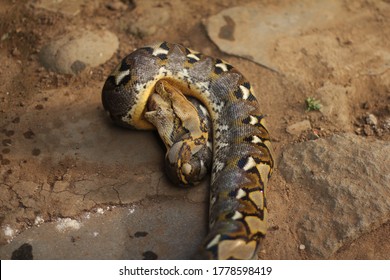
[53, 128]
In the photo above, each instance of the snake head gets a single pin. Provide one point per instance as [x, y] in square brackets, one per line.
[127, 90]
[117, 102]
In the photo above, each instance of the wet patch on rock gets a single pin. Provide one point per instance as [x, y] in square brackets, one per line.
[149, 255]
[140, 234]
[24, 252]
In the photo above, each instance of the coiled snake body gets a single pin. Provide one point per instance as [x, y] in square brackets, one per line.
[149, 86]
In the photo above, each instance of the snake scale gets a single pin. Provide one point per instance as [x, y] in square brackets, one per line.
[156, 77]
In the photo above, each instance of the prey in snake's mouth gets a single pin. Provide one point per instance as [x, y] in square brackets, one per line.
[184, 126]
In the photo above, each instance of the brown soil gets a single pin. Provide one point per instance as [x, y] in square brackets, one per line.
[31, 96]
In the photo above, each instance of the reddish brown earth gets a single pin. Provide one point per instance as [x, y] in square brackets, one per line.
[60, 157]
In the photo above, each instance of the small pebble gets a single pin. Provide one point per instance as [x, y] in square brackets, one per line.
[372, 120]
[379, 132]
[15, 52]
[302, 247]
[313, 134]
[116, 5]
[386, 125]
[358, 131]
[299, 127]
[366, 105]
[368, 130]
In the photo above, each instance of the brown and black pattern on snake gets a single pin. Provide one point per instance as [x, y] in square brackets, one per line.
[242, 153]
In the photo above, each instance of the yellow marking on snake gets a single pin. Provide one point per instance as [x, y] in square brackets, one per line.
[257, 198]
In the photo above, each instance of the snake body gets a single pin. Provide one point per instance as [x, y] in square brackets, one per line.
[242, 154]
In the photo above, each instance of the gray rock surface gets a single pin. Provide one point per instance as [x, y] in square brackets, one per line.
[90, 165]
[73, 52]
[135, 232]
[345, 187]
[253, 31]
[296, 38]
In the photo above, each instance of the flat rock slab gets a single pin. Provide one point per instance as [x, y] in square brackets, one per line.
[295, 38]
[252, 31]
[74, 160]
[153, 230]
[344, 185]
[73, 52]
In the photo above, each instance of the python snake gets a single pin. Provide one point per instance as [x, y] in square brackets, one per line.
[242, 154]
